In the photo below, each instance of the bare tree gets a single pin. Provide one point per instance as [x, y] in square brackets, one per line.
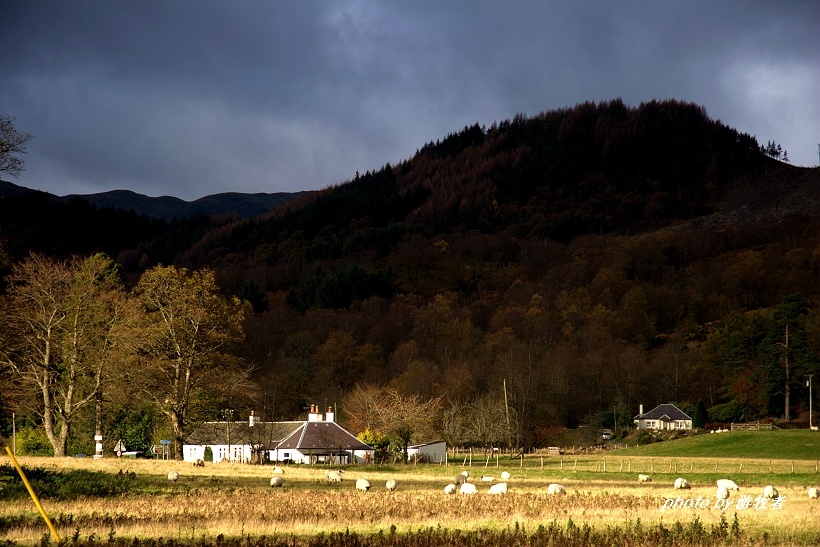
[12, 142]
[62, 321]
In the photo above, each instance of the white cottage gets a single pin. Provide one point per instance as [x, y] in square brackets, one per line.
[321, 440]
[433, 452]
[242, 442]
[665, 417]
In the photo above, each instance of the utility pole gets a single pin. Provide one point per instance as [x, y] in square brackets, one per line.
[808, 383]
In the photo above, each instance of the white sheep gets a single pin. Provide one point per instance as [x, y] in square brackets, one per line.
[173, 476]
[334, 475]
[487, 478]
[498, 488]
[813, 493]
[450, 489]
[362, 485]
[554, 489]
[276, 482]
[644, 478]
[505, 475]
[728, 484]
[770, 492]
[391, 485]
[682, 484]
[199, 463]
[722, 493]
[278, 470]
[468, 488]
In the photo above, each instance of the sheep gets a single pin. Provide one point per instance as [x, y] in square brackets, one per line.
[450, 489]
[276, 482]
[362, 485]
[813, 493]
[498, 488]
[334, 475]
[459, 479]
[278, 470]
[199, 463]
[722, 493]
[391, 485]
[770, 492]
[173, 476]
[728, 484]
[554, 489]
[682, 484]
[487, 478]
[468, 488]
[644, 478]
[505, 475]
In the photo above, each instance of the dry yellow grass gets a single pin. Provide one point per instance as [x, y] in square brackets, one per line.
[234, 499]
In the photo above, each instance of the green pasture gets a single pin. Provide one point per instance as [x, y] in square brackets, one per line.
[770, 444]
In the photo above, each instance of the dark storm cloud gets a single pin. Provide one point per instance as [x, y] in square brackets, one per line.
[189, 98]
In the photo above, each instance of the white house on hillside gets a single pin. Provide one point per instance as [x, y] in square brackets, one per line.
[665, 417]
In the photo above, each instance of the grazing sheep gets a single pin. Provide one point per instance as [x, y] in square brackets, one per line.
[459, 479]
[468, 488]
[334, 475]
[276, 482]
[487, 478]
[728, 484]
[682, 484]
[770, 492]
[554, 489]
[173, 476]
[505, 475]
[362, 485]
[722, 493]
[391, 485]
[450, 489]
[813, 493]
[278, 470]
[199, 463]
[644, 478]
[498, 488]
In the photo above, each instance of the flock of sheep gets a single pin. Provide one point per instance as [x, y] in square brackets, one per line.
[461, 485]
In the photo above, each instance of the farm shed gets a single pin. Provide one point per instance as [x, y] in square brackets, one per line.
[433, 452]
[665, 417]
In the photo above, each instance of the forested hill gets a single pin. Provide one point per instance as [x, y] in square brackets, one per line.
[588, 258]
[594, 168]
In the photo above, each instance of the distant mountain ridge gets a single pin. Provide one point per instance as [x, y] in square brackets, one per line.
[169, 207]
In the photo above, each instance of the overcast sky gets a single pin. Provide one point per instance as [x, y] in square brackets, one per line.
[193, 97]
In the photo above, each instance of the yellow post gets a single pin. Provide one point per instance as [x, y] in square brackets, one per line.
[33, 495]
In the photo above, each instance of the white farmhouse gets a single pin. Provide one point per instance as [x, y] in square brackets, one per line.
[241, 442]
[321, 440]
[665, 417]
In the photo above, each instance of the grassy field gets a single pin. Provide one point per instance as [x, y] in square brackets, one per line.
[775, 444]
[222, 501]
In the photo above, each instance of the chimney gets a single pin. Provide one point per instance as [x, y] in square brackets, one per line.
[251, 419]
[314, 415]
[640, 409]
[329, 414]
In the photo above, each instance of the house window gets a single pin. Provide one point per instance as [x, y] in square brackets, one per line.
[286, 455]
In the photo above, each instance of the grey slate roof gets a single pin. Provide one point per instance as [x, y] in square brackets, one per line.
[261, 433]
[665, 411]
[319, 437]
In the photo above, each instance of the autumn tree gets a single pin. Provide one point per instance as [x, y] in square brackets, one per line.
[63, 320]
[185, 333]
[12, 143]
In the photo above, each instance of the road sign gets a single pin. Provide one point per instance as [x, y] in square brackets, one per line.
[164, 441]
